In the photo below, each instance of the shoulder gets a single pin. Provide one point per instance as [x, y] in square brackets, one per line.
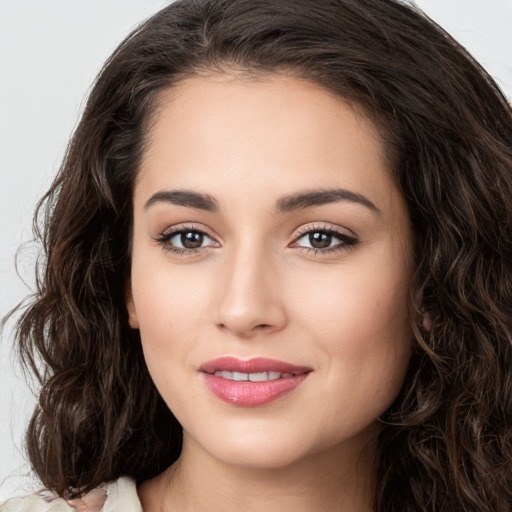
[117, 496]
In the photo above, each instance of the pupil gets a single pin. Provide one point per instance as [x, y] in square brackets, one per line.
[320, 240]
[191, 240]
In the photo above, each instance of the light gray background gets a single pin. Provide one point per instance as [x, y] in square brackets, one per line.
[50, 52]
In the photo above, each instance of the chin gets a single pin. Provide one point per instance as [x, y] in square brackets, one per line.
[267, 458]
[255, 452]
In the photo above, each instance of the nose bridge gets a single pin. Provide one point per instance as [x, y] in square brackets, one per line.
[250, 299]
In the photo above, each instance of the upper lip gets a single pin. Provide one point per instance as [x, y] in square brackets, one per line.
[255, 365]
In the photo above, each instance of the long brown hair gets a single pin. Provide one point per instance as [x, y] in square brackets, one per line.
[446, 442]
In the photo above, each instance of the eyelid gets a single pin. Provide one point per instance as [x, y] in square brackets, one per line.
[178, 228]
[308, 228]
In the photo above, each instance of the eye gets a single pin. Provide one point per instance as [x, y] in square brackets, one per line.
[185, 240]
[324, 240]
[188, 239]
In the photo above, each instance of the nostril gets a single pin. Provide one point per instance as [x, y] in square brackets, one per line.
[246, 319]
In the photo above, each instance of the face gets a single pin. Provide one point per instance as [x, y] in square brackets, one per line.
[267, 225]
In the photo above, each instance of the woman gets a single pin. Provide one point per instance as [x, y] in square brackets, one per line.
[279, 270]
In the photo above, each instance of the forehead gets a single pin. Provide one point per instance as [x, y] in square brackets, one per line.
[247, 99]
[266, 134]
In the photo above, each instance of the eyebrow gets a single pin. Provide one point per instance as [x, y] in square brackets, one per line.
[285, 204]
[318, 197]
[184, 198]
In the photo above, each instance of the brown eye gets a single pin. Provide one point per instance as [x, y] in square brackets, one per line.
[185, 240]
[324, 240]
[320, 239]
[191, 239]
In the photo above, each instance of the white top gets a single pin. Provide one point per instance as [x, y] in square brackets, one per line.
[117, 496]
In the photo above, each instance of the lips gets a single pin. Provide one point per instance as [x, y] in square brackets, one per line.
[251, 382]
[256, 365]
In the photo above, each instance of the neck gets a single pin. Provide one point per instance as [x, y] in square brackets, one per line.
[339, 479]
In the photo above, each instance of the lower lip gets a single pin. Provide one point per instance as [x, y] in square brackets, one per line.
[251, 394]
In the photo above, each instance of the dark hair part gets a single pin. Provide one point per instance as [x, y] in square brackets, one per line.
[446, 443]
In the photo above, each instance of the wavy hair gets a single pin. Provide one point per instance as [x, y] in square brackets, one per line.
[446, 442]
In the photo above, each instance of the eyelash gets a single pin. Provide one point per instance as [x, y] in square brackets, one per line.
[346, 241]
[165, 238]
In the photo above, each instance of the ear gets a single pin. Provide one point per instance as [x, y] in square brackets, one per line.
[130, 305]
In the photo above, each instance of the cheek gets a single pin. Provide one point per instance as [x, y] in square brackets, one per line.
[360, 302]
[166, 312]
[359, 319]
[168, 298]
[170, 308]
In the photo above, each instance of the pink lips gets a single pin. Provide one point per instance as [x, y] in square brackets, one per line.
[248, 393]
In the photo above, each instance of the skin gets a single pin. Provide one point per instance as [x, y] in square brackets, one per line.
[256, 288]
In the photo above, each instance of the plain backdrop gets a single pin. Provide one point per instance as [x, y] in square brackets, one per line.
[50, 52]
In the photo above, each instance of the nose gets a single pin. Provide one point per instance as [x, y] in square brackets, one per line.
[250, 302]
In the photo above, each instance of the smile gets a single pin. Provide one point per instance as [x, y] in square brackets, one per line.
[252, 382]
[253, 377]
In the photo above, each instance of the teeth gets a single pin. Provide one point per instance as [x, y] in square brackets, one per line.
[258, 377]
[253, 377]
